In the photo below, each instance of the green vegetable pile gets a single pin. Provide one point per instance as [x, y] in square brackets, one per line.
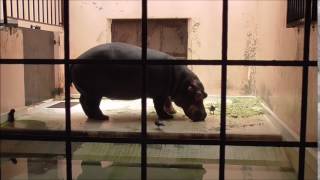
[238, 107]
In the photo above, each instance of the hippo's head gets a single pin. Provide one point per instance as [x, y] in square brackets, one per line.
[190, 99]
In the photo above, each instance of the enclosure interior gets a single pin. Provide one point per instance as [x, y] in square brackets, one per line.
[263, 102]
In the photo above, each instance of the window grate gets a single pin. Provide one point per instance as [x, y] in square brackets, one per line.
[68, 136]
[296, 12]
[37, 11]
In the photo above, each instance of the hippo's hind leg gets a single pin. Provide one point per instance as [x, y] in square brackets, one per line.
[159, 105]
[90, 105]
[168, 106]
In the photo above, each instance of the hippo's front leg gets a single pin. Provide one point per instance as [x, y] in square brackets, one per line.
[159, 105]
[168, 106]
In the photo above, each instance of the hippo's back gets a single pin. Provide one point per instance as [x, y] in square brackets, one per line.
[118, 51]
[119, 81]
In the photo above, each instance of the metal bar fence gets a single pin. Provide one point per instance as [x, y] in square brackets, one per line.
[34, 11]
[17, 9]
[23, 16]
[144, 43]
[296, 11]
[42, 11]
[38, 10]
[304, 100]
[29, 10]
[224, 55]
[67, 89]
[69, 136]
[47, 10]
[5, 12]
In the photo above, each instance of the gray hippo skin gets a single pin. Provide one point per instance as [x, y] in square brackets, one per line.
[124, 82]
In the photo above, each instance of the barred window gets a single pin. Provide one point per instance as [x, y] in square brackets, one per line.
[296, 12]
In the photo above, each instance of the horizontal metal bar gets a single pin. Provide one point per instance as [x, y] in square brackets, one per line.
[32, 21]
[162, 62]
[32, 61]
[136, 138]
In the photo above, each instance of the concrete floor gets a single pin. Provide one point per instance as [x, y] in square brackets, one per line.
[125, 118]
[45, 160]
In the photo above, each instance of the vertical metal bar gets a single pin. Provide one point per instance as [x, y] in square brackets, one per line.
[18, 9]
[11, 8]
[303, 8]
[67, 88]
[34, 11]
[292, 10]
[47, 11]
[144, 40]
[288, 11]
[5, 13]
[304, 100]
[300, 10]
[43, 11]
[69, 159]
[23, 9]
[295, 9]
[38, 10]
[59, 12]
[51, 22]
[314, 10]
[67, 58]
[28, 9]
[55, 12]
[223, 89]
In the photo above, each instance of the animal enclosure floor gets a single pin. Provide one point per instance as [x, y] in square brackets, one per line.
[46, 160]
[243, 121]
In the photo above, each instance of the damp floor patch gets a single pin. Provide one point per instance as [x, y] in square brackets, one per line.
[62, 105]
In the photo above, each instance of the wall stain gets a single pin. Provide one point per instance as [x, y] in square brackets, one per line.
[250, 54]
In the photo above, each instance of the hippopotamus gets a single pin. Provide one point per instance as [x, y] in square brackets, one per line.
[164, 83]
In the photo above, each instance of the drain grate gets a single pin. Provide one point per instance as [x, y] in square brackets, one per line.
[61, 105]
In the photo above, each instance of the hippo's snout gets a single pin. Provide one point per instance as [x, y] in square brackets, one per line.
[199, 116]
[196, 113]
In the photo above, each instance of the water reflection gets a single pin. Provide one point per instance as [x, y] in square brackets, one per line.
[123, 171]
[32, 168]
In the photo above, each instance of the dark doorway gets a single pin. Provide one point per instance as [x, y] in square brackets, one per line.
[39, 79]
[166, 35]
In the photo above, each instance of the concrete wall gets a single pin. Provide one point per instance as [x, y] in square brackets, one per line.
[11, 76]
[21, 43]
[204, 29]
[280, 87]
